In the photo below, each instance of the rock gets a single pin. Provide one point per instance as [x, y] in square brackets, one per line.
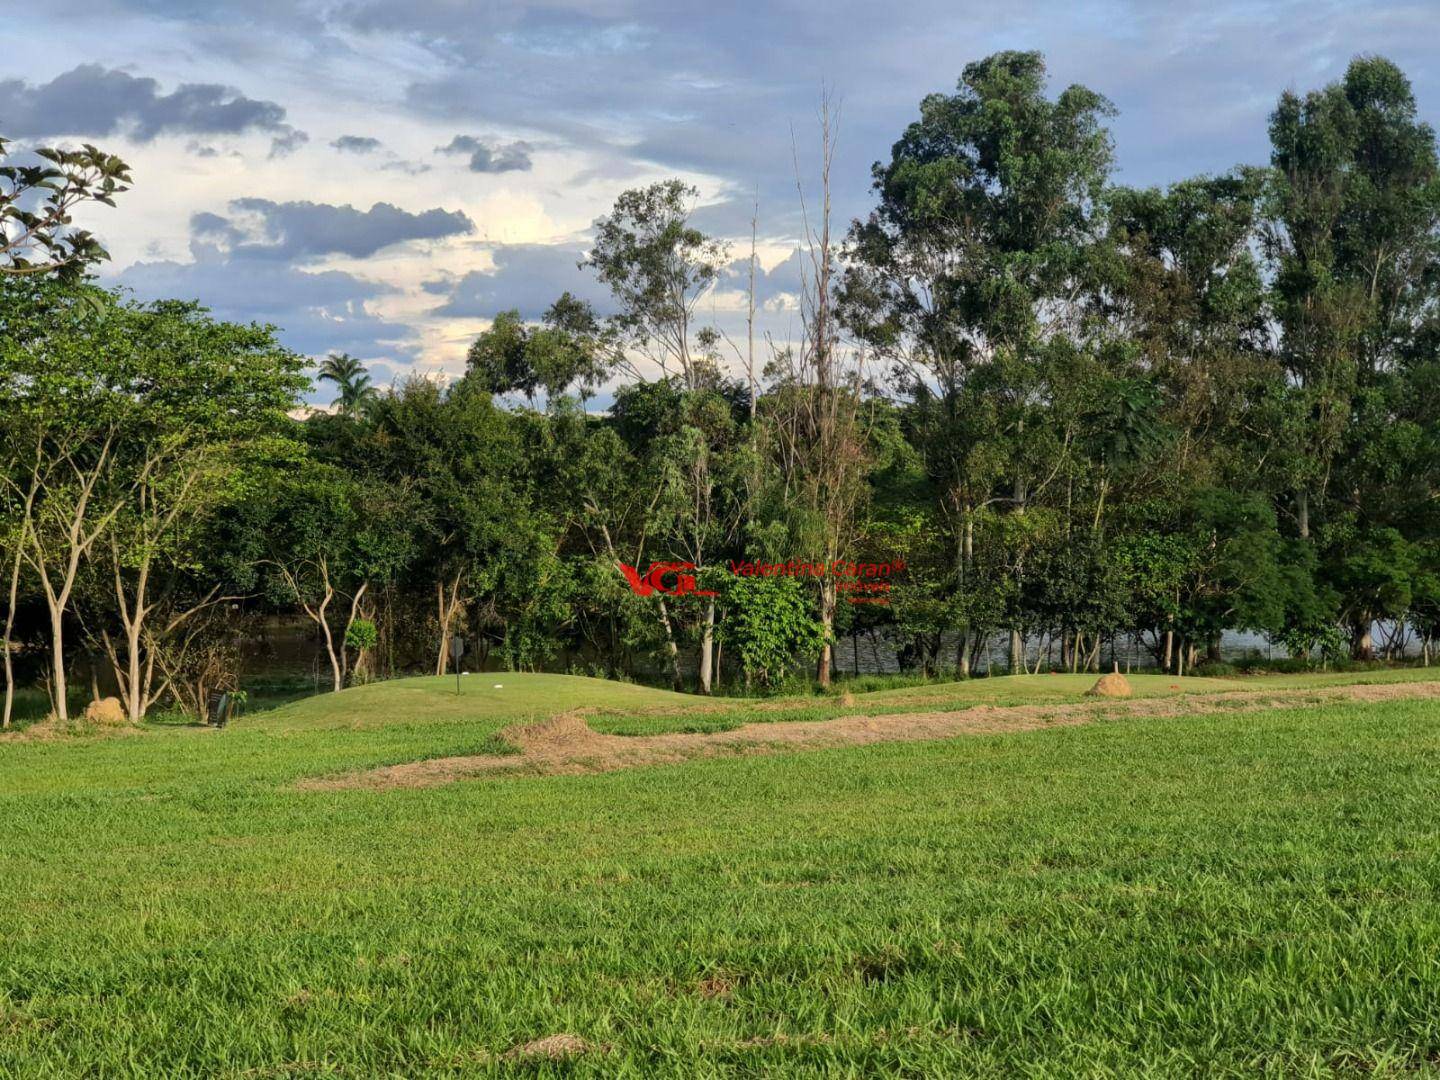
[1112, 685]
[106, 711]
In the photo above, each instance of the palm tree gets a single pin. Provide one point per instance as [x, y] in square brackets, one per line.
[351, 379]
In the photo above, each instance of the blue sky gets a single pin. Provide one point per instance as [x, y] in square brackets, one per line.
[382, 177]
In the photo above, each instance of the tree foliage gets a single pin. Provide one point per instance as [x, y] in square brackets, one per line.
[1088, 420]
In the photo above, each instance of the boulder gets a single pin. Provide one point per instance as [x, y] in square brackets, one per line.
[106, 711]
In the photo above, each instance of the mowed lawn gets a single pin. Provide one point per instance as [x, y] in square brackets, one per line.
[1227, 893]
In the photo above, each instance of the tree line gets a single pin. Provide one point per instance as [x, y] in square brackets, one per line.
[1076, 411]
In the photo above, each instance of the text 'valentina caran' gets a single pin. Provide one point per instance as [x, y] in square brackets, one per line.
[796, 568]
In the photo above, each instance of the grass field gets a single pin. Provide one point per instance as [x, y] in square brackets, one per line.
[1210, 892]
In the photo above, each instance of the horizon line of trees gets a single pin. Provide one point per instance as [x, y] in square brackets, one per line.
[1076, 410]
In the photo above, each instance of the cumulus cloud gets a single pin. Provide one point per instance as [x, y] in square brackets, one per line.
[318, 312]
[263, 229]
[490, 156]
[243, 267]
[389, 161]
[287, 143]
[356, 144]
[409, 168]
[785, 278]
[93, 100]
[526, 277]
[637, 89]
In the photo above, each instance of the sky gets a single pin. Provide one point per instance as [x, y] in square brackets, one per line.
[382, 177]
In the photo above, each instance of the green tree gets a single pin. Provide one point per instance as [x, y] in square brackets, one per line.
[1352, 235]
[566, 350]
[324, 540]
[974, 264]
[37, 205]
[768, 625]
[209, 400]
[352, 381]
[465, 461]
[657, 266]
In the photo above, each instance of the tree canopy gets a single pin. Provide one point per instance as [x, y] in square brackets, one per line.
[1081, 419]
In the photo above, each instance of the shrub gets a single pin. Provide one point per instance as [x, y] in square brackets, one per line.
[362, 634]
[1215, 669]
[767, 626]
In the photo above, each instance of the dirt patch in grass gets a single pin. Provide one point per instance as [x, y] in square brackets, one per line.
[550, 1048]
[566, 744]
[715, 986]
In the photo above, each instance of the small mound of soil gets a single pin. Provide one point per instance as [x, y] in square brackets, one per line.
[1112, 685]
[106, 711]
[568, 730]
[847, 699]
[550, 1048]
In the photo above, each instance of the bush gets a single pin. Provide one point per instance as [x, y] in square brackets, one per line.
[865, 684]
[362, 634]
[767, 627]
[1215, 669]
[1293, 665]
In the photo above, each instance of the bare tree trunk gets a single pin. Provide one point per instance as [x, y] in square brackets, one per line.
[9, 677]
[671, 647]
[967, 559]
[318, 614]
[448, 608]
[14, 598]
[707, 649]
[355, 602]
[1017, 642]
[135, 705]
[441, 661]
[827, 622]
[1362, 645]
[750, 315]
[1302, 513]
[336, 674]
[132, 619]
[59, 695]
[824, 431]
[77, 543]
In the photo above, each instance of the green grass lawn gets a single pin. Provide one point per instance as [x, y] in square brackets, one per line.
[1225, 893]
